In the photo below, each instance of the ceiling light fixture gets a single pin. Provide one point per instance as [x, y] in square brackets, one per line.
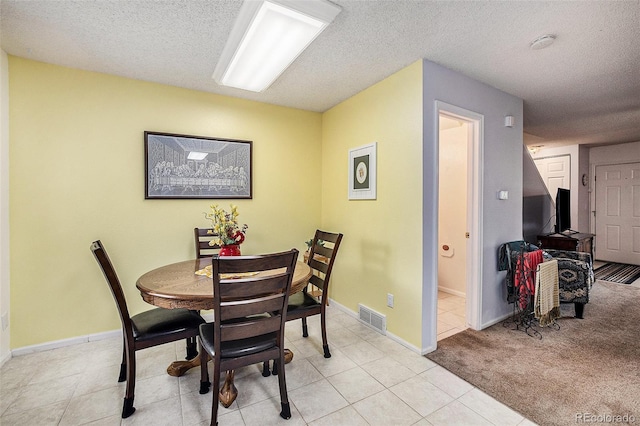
[267, 37]
[542, 41]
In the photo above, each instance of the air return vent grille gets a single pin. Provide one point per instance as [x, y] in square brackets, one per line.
[375, 319]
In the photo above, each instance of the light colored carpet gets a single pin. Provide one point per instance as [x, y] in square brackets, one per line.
[589, 367]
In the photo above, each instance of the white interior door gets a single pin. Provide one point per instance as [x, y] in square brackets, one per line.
[555, 172]
[618, 213]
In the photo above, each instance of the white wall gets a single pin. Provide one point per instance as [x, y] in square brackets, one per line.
[502, 170]
[615, 154]
[4, 203]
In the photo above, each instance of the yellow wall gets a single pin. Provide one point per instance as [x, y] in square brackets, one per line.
[77, 174]
[382, 237]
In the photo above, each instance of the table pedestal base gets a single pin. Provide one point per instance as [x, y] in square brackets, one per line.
[228, 392]
[178, 368]
[288, 356]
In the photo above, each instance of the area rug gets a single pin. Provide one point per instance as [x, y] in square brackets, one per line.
[618, 273]
[588, 371]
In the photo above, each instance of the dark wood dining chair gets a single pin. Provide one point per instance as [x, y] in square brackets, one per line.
[203, 237]
[312, 300]
[144, 330]
[249, 317]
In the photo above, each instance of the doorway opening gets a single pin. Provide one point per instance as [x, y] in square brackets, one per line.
[452, 225]
[459, 218]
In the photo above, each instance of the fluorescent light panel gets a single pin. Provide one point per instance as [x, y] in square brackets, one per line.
[267, 37]
[194, 155]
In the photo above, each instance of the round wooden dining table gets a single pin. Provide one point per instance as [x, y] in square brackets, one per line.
[186, 285]
[178, 286]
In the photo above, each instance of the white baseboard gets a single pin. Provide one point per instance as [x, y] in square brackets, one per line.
[452, 291]
[388, 334]
[75, 341]
[497, 320]
[208, 317]
[66, 342]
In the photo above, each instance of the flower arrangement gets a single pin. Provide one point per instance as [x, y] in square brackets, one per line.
[309, 242]
[226, 226]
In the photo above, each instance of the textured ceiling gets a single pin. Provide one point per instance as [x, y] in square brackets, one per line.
[585, 88]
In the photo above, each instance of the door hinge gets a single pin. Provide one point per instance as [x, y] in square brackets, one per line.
[466, 235]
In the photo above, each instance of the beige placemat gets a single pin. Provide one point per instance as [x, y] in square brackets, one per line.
[207, 271]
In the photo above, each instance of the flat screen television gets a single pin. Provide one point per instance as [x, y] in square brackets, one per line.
[563, 210]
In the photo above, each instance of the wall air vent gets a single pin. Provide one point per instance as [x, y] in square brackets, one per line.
[374, 319]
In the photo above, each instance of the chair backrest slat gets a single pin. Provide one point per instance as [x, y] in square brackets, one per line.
[202, 238]
[322, 257]
[256, 306]
[319, 266]
[317, 281]
[324, 251]
[252, 286]
[248, 329]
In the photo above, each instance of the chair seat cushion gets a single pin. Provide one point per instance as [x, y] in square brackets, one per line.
[163, 322]
[301, 300]
[236, 348]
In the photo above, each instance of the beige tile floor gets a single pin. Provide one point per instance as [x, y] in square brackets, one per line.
[369, 380]
[451, 315]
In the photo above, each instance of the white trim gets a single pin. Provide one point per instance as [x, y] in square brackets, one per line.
[405, 343]
[391, 336]
[593, 217]
[497, 320]
[5, 226]
[475, 183]
[452, 291]
[66, 342]
[6, 358]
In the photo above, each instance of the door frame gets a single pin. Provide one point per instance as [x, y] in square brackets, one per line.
[475, 158]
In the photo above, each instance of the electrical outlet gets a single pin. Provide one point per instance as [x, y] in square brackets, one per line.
[390, 300]
[5, 321]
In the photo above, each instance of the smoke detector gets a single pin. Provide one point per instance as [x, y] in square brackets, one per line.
[542, 41]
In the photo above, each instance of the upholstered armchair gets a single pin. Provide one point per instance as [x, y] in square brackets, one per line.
[575, 274]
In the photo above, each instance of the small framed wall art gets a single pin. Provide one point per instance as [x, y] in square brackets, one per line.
[362, 172]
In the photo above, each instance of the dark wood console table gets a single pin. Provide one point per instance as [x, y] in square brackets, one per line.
[570, 241]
